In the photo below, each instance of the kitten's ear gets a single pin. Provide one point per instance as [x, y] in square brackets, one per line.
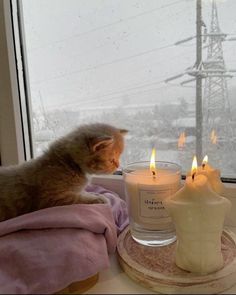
[101, 143]
[123, 131]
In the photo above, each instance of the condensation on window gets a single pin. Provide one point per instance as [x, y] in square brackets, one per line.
[133, 64]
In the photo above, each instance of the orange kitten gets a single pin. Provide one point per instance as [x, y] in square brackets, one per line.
[59, 175]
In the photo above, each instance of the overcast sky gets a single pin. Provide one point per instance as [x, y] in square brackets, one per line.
[95, 53]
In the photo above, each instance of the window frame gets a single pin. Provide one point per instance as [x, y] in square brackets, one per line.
[23, 77]
[11, 133]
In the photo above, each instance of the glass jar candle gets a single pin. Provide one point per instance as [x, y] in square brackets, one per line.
[150, 223]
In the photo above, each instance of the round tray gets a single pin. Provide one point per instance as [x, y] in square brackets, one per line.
[154, 267]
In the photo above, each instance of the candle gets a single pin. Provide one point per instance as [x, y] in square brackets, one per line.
[213, 176]
[146, 185]
[198, 214]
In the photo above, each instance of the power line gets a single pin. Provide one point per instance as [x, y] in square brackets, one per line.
[117, 97]
[127, 94]
[134, 86]
[102, 65]
[123, 92]
[159, 63]
[217, 108]
[107, 25]
[91, 68]
[114, 41]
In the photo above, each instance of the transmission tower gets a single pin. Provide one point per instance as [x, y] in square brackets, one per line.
[217, 115]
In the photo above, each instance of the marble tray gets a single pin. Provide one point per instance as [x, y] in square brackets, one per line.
[154, 267]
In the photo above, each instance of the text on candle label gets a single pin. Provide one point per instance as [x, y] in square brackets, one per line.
[151, 203]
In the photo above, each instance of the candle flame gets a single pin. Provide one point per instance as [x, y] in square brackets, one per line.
[194, 167]
[213, 136]
[181, 140]
[152, 161]
[204, 161]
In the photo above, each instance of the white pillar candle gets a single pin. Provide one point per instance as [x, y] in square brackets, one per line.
[198, 214]
[212, 174]
[214, 178]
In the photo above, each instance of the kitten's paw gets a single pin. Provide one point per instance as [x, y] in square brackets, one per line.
[99, 199]
[92, 198]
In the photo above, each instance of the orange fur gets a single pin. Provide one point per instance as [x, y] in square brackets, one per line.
[59, 175]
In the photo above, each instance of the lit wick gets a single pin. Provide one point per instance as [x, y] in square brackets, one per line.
[194, 167]
[153, 163]
[204, 162]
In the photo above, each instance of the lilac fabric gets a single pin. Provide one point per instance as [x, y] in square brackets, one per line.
[118, 206]
[46, 250]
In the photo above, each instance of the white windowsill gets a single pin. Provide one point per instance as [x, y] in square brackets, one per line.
[114, 280]
[110, 182]
[115, 183]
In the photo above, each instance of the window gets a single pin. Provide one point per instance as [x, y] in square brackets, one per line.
[134, 64]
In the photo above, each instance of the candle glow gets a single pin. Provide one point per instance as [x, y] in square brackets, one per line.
[213, 137]
[204, 161]
[181, 140]
[152, 162]
[194, 167]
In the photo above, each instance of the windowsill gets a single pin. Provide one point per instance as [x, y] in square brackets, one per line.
[115, 183]
[114, 279]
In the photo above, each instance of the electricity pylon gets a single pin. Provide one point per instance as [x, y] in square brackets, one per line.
[215, 113]
[216, 110]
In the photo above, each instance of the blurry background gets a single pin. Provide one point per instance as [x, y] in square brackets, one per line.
[111, 61]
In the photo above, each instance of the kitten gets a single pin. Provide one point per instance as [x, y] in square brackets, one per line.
[59, 175]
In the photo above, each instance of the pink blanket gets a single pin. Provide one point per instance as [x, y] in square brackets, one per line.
[44, 251]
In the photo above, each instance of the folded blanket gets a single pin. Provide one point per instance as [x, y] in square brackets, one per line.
[46, 250]
[118, 206]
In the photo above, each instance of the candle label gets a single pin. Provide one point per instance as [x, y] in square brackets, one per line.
[150, 201]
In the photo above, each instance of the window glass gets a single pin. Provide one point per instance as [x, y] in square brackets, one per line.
[132, 63]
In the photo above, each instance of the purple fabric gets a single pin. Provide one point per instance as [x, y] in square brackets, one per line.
[46, 250]
[118, 206]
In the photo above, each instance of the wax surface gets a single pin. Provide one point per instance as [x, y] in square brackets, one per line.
[144, 176]
[213, 176]
[198, 214]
